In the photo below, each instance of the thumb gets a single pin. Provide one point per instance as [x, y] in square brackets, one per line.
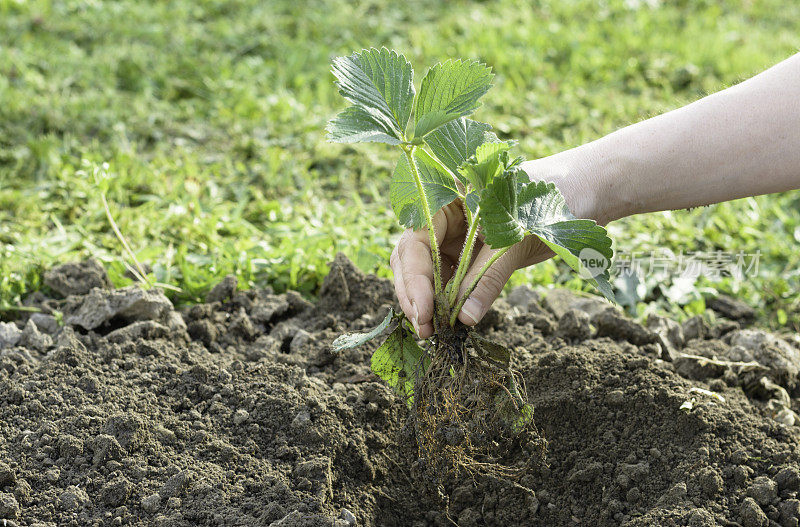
[490, 285]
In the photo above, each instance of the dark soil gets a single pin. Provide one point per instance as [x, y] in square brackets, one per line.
[235, 412]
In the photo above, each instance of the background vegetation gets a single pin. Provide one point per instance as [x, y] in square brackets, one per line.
[211, 114]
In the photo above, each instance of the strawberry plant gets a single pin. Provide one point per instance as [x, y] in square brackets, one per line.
[461, 386]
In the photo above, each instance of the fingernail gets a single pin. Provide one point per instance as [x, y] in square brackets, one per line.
[473, 309]
[415, 318]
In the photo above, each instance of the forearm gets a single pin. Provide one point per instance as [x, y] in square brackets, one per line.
[742, 141]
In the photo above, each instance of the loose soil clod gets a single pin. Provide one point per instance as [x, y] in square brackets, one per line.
[253, 422]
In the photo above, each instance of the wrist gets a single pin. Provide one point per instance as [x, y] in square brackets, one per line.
[586, 179]
[598, 168]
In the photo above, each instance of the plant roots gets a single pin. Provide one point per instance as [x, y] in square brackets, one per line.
[470, 414]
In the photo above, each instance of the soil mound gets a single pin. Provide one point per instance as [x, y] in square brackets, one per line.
[117, 409]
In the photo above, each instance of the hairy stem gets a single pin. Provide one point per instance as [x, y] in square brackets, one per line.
[437, 262]
[464, 260]
[474, 284]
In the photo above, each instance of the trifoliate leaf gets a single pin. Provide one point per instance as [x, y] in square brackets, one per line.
[353, 340]
[398, 361]
[380, 82]
[456, 141]
[449, 90]
[510, 210]
[356, 125]
[481, 168]
[439, 185]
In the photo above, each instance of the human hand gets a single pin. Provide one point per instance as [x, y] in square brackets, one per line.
[413, 269]
[736, 143]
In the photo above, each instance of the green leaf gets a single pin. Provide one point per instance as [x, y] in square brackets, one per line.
[398, 360]
[380, 82]
[510, 210]
[449, 90]
[598, 277]
[353, 340]
[524, 416]
[356, 125]
[499, 212]
[456, 141]
[491, 351]
[439, 185]
[513, 410]
[482, 167]
[472, 200]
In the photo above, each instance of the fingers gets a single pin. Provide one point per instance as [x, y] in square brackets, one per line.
[399, 284]
[490, 285]
[532, 251]
[451, 239]
[413, 274]
[528, 252]
[414, 255]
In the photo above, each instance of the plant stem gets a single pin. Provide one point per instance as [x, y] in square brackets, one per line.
[138, 272]
[437, 263]
[474, 284]
[464, 260]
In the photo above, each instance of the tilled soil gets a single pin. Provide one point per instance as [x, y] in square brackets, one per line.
[116, 409]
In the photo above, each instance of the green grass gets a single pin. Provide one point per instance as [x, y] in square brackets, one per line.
[211, 116]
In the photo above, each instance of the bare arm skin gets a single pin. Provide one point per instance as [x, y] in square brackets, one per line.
[739, 142]
[742, 141]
